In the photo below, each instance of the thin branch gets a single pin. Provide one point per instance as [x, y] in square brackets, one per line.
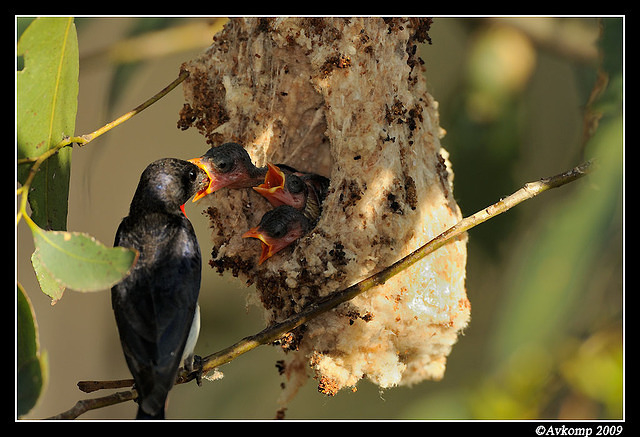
[278, 330]
[83, 140]
[193, 35]
[85, 405]
[91, 386]
[274, 332]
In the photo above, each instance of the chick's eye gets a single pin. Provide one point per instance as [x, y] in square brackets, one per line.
[193, 175]
[223, 164]
[295, 185]
[278, 230]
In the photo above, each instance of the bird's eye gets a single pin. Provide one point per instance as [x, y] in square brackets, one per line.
[278, 230]
[295, 184]
[193, 175]
[224, 164]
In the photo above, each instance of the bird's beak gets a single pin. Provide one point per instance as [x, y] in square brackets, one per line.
[211, 187]
[269, 245]
[273, 187]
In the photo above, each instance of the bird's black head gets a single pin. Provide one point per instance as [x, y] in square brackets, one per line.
[227, 165]
[295, 184]
[279, 228]
[228, 157]
[277, 222]
[167, 184]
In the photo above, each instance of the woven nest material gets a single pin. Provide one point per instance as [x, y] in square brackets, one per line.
[345, 98]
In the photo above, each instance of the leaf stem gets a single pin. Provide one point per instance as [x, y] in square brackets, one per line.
[83, 140]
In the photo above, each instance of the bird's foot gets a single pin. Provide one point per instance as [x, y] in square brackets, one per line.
[196, 366]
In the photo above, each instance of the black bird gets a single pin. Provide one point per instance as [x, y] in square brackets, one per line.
[156, 305]
[279, 228]
[304, 191]
[229, 165]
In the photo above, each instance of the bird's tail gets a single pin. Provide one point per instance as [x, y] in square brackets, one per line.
[143, 415]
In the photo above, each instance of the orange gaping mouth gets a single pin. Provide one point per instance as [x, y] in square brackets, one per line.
[273, 187]
[210, 187]
[273, 180]
[267, 246]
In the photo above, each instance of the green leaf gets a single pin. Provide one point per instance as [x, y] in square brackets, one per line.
[76, 260]
[47, 102]
[31, 367]
[48, 284]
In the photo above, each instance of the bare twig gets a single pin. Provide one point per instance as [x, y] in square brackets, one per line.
[274, 332]
[83, 140]
[278, 330]
[91, 386]
[85, 405]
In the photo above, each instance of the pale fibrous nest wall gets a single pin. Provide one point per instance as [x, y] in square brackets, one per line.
[345, 98]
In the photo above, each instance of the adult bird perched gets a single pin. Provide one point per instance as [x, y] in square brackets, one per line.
[156, 305]
[279, 228]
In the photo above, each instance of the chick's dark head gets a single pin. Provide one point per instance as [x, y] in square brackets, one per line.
[227, 165]
[279, 228]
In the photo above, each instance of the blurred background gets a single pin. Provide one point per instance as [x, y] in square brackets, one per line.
[545, 280]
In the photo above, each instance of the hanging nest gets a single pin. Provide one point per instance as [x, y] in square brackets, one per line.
[345, 98]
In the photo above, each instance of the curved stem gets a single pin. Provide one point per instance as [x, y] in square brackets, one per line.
[83, 140]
